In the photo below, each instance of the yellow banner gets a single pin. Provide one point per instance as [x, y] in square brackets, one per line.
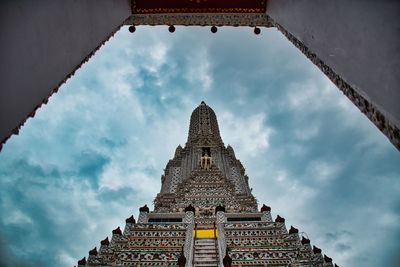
[205, 232]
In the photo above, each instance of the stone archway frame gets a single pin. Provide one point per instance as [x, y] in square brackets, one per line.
[372, 112]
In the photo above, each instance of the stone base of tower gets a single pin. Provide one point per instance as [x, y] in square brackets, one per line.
[246, 239]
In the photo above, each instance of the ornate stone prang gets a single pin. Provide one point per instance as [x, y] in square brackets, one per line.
[265, 208]
[192, 196]
[143, 214]
[130, 220]
[266, 211]
[279, 219]
[105, 242]
[117, 231]
[144, 209]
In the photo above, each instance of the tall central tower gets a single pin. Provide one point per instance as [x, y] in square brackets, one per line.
[205, 215]
[204, 174]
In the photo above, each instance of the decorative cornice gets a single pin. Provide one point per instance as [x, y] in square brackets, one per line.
[198, 6]
[198, 10]
[202, 19]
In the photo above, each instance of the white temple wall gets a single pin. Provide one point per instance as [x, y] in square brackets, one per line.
[42, 42]
[357, 39]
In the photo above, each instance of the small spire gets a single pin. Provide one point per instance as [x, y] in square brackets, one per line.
[316, 250]
[82, 261]
[293, 230]
[327, 259]
[144, 209]
[93, 251]
[305, 240]
[279, 219]
[202, 103]
[105, 242]
[130, 220]
[117, 231]
[265, 208]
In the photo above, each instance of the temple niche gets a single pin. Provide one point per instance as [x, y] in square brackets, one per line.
[205, 215]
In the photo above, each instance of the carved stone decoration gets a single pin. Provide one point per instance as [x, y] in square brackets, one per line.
[204, 19]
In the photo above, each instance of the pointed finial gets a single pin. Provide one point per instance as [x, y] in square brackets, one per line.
[144, 209]
[82, 261]
[117, 231]
[316, 250]
[105, 242]
[305, 240]
[93, 251]
[293, 230]
[130, 220]
[279, 219]
[202, 103]
[327, 259]
[265, 208]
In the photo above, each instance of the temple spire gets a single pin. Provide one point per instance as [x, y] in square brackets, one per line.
[204, 126]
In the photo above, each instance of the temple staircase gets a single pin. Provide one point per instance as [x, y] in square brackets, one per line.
[205, 252]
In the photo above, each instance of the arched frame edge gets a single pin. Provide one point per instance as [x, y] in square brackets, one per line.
[372, 112]
[45, 100]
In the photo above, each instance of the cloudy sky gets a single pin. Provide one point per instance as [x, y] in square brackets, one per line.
[95, 153]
